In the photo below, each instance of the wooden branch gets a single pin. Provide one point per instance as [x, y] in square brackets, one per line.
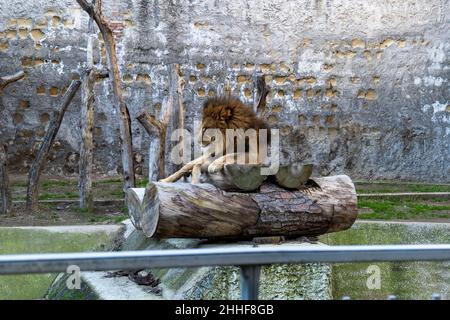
[5, 191]
[114, 74]
[4, 81]
[293, 176]
[150, 124]
[52, 130]
[184, 210]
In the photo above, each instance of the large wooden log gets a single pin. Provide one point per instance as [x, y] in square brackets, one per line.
[167, 210]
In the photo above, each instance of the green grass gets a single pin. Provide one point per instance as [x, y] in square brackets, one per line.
[107, 181]
[117, 193]
[63, 195]
[367, 187]
[58, 183]
[142, 183]
[402, 209]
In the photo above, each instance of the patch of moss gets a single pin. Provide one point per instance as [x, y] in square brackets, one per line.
[16, 240]
[407, 280]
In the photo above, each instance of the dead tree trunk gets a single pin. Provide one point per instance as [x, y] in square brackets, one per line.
[176, 119]
[87, 146]
[39, 160]
[171, 118]
[5, 191]
[87, 127]
[179, 209]
[114, 74]
[156, 129]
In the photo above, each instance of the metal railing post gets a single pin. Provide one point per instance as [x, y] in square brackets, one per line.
[250, 282]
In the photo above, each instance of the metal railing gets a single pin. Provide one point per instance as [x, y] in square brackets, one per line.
[249, 259]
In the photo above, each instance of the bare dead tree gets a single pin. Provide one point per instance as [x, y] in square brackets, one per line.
[5, 191]
[87, 126]
[50, 135]
[95, 11]
[156, 129]
[171, 118]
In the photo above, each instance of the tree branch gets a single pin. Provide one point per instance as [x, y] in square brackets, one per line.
[4, 81]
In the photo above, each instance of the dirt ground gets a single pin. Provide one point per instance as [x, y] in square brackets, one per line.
[55, 210]
[62, 214]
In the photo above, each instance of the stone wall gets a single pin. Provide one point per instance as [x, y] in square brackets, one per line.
[357, 87]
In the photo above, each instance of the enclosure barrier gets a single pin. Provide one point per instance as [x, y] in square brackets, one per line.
[249, 259]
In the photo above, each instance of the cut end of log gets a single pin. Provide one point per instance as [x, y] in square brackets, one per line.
[134, 198]
[294, 176]
[151, 206]
[338, 193]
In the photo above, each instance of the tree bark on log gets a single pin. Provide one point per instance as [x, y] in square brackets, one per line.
[114, 74]
[5, 191]
[171, 210]
[50, 134]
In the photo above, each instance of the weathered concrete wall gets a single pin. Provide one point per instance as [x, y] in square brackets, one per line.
[359, 87]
